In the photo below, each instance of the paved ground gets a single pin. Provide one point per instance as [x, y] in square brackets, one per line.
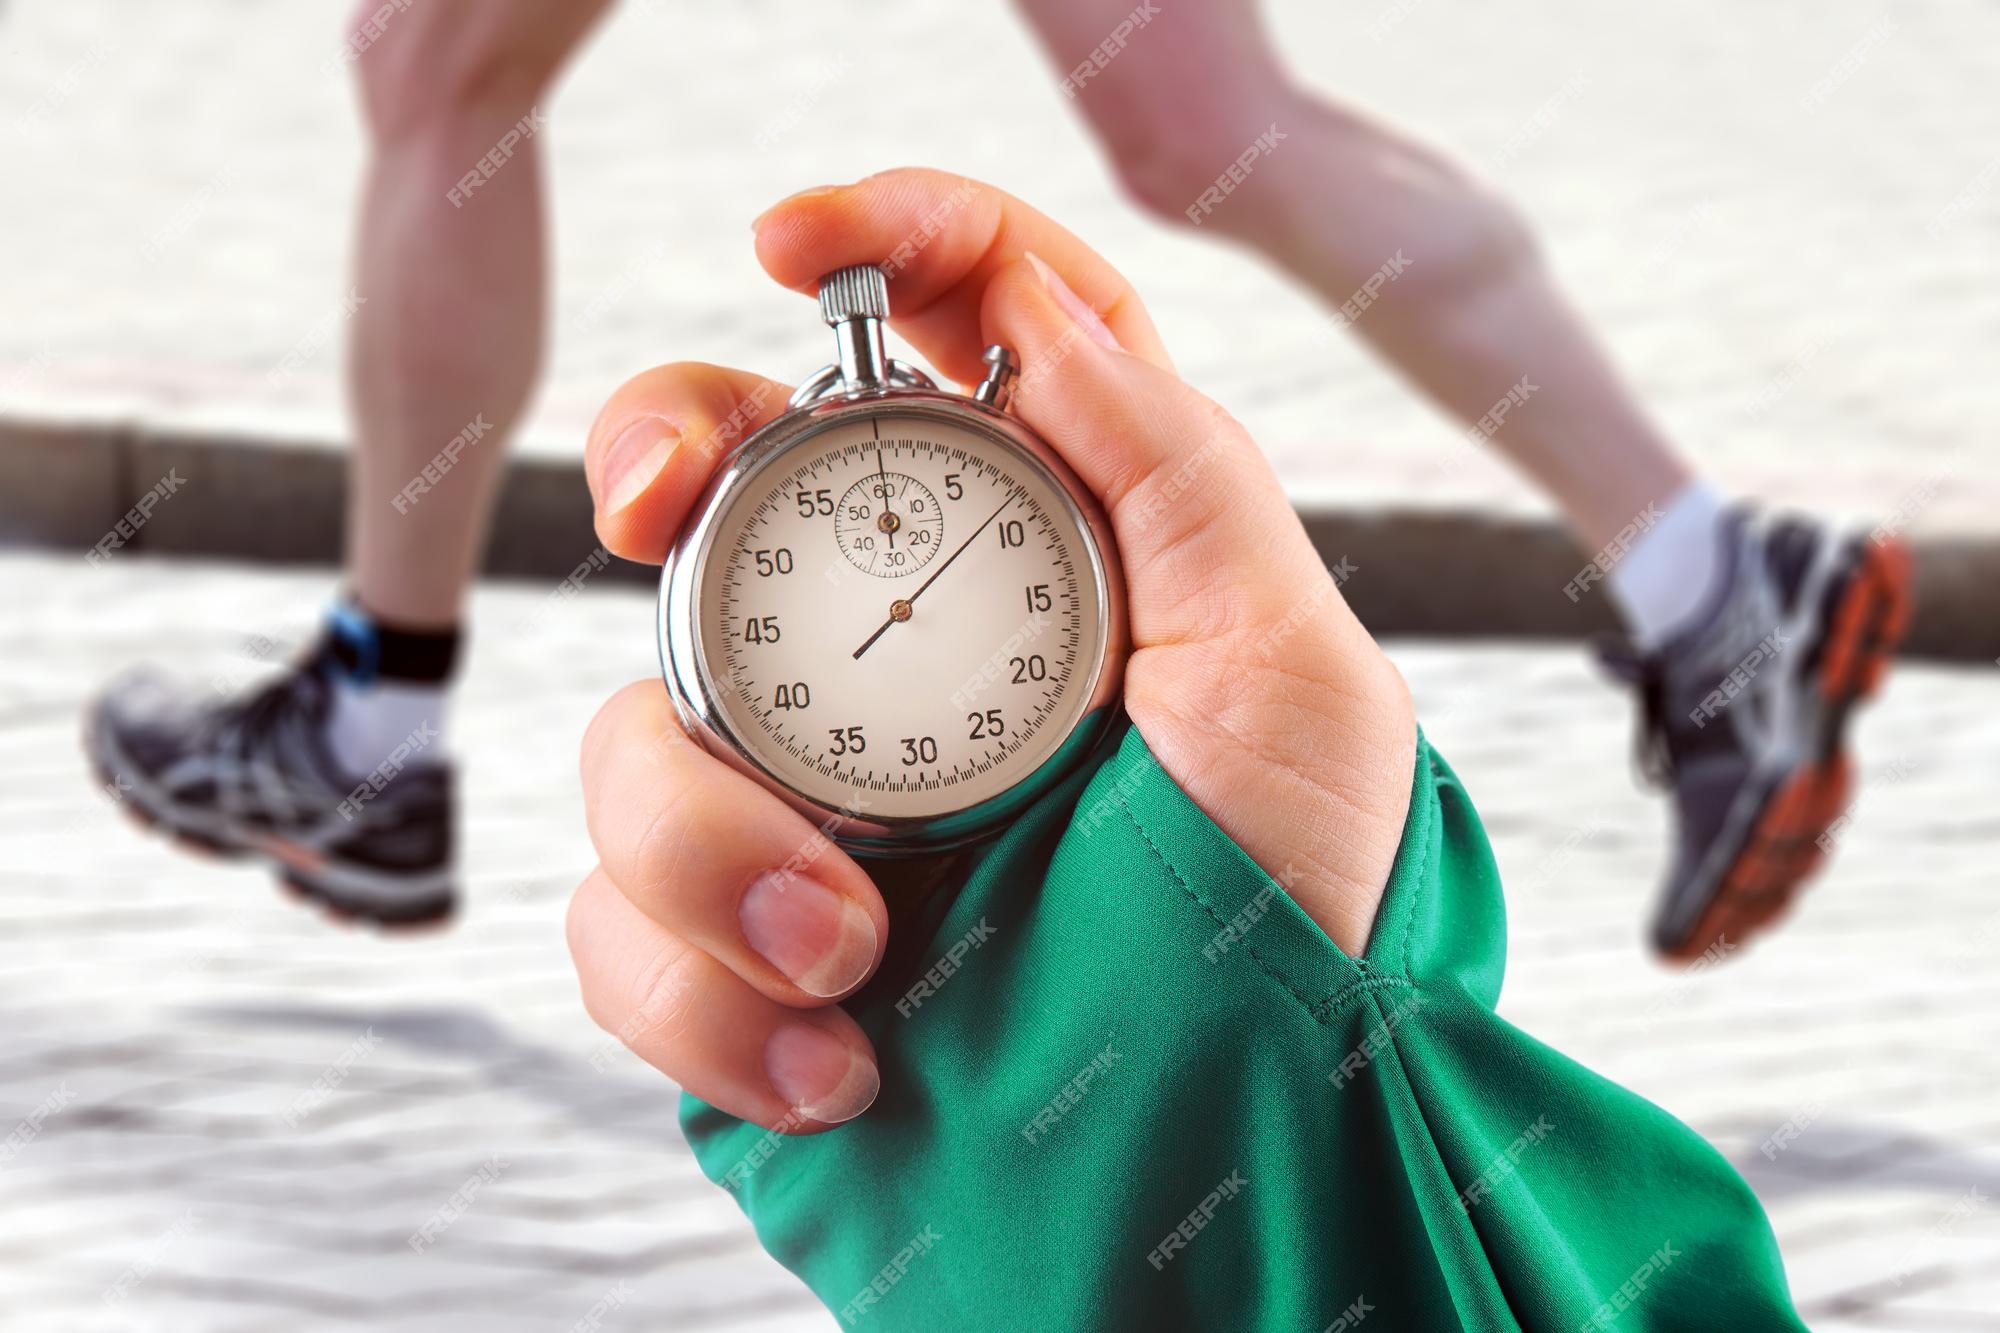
[166, 1021]
[1781, 214]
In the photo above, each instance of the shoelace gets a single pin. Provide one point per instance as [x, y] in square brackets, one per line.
[247, 731]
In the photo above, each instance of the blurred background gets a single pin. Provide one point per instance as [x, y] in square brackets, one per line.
[222, 1114]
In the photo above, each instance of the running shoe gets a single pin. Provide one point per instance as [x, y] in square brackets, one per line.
[251, 776]
[1744, 720]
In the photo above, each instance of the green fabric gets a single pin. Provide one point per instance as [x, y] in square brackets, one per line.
[1138, 1032]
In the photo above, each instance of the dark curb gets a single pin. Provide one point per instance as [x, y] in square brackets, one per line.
[1432, 573]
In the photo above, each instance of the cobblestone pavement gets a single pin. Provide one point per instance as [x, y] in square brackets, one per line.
[1782, 215]
[165, 1021]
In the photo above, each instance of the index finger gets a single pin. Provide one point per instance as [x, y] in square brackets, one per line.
[940, 238]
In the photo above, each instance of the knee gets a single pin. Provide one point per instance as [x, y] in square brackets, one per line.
[420, 62]
[1346, 172]
[1167, 149]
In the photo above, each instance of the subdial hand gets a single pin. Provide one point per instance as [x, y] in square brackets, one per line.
[887, 522]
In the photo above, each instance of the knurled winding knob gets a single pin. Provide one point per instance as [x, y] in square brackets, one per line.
[856, 292]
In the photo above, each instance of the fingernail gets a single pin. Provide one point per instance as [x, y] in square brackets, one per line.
[819, 938]
[1073, 305]
[635, 457]
[821, 1076]
[757, 223]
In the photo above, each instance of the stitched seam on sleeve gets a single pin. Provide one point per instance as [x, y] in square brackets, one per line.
[1362, 987]
[1423, 857]
[1214, 915]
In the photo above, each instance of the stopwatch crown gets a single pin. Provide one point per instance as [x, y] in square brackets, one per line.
[859, 291]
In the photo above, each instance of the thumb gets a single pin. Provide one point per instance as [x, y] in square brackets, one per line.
[1251, 680]
[1192, 500]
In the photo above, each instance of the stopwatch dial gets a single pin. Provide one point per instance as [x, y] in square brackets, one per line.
[909, 678]
[888, 524]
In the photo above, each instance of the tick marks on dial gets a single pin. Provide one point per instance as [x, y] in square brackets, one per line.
[810, 592]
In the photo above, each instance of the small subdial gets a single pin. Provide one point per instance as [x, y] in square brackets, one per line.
[888, 524]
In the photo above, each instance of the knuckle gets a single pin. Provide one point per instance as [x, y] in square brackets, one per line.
[663, 850]
[661, 1001]
[625, 715]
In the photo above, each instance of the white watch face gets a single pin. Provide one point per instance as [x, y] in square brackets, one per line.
[900, 615]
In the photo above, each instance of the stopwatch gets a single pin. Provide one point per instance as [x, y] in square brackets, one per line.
[894, 605]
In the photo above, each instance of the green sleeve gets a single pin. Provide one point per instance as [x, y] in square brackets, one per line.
[1128, 1084]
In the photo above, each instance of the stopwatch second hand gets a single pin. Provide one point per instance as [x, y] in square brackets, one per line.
[908, 602]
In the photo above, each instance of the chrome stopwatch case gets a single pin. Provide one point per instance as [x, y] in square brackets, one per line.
[895, 605]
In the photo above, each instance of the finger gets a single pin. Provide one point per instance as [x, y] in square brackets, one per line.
[703, 1026]
[940, 239]
[655, 444]
[722, 863]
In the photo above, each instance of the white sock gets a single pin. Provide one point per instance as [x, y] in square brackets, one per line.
[367, 723]
[1669, 573]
